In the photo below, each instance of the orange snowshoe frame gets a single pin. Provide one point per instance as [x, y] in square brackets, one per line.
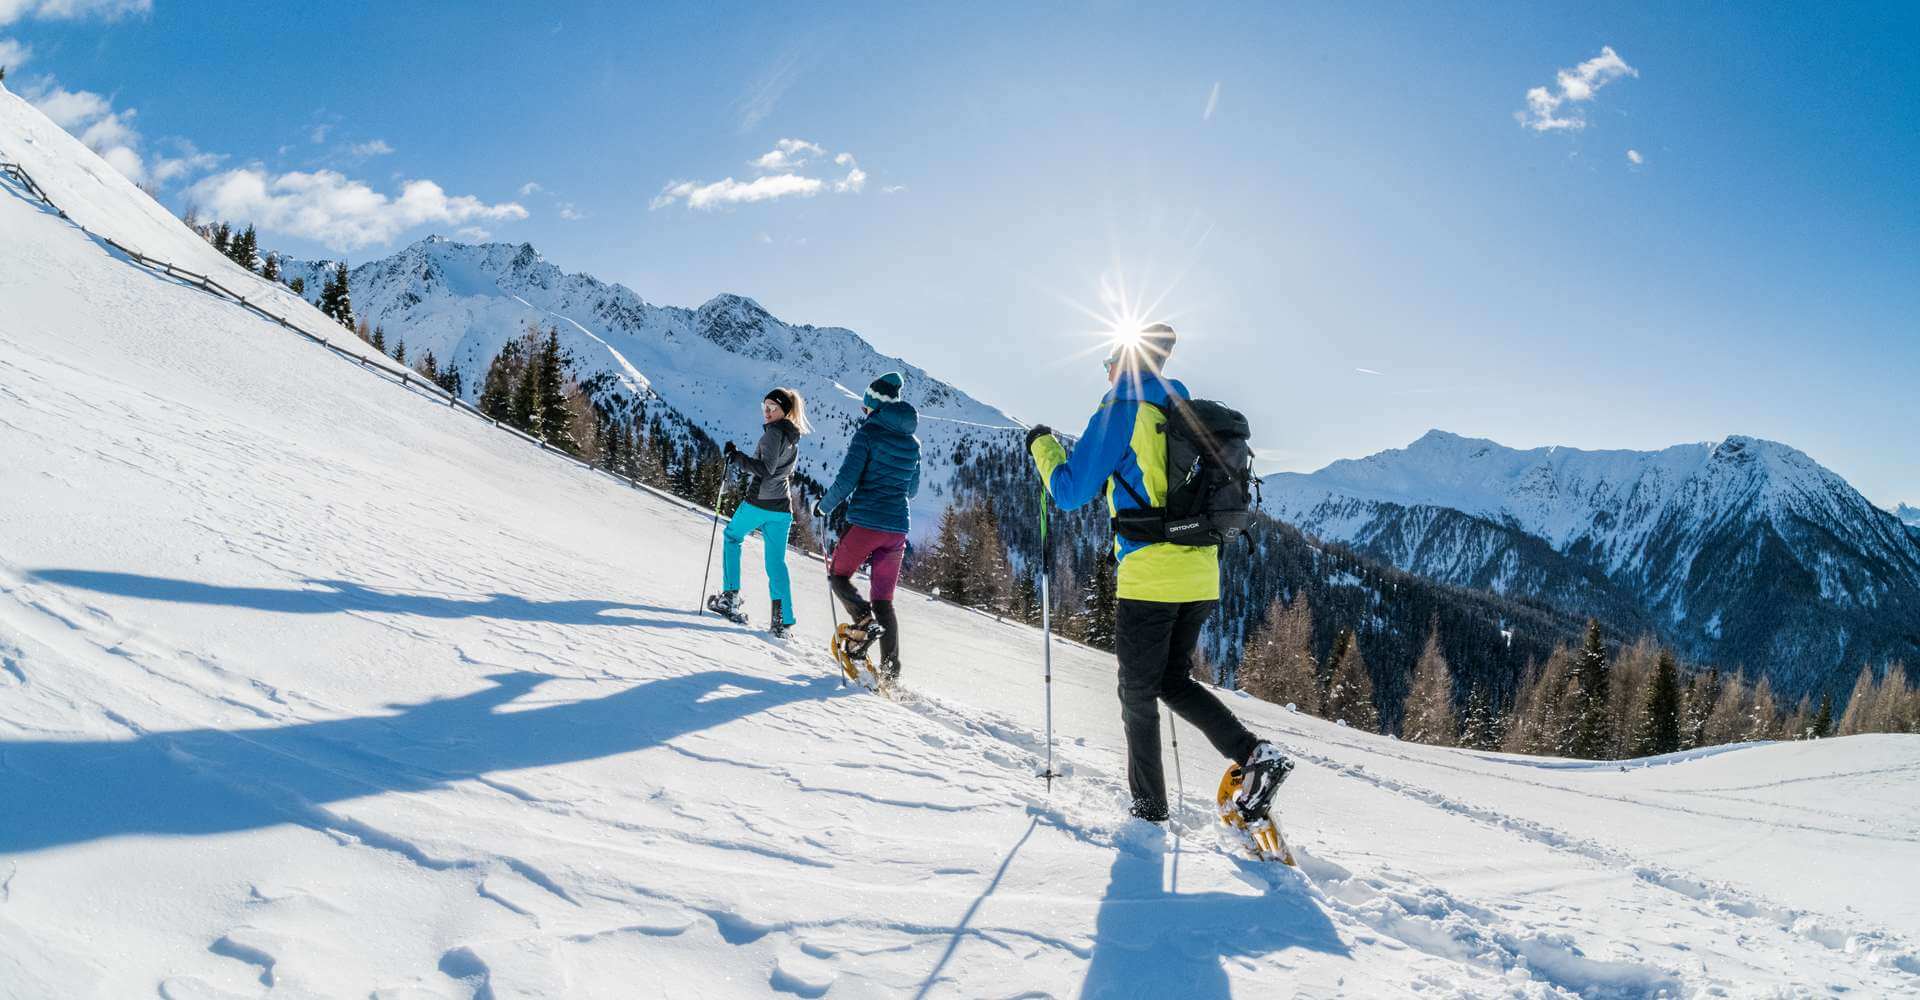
[1267, 843]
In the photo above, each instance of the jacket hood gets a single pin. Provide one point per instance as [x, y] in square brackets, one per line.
[1154, 389]
[900, 418]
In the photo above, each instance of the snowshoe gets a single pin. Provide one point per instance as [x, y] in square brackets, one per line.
[850, 644]
[1246, 801]
[726, 604]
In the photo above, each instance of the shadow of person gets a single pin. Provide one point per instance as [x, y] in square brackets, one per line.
[1149, 942]
[340, 596]
[204, 781]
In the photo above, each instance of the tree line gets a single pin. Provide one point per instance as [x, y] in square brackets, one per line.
[1578, 695]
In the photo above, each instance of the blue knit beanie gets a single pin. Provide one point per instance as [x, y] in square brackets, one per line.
[884, 390]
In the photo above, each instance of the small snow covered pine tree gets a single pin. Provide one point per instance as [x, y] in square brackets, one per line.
[1822, 725]
[556, 416]
[1593, 727]
[271, 269]
[1659, 729]
[1429, 716]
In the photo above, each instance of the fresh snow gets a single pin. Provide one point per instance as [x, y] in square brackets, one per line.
[1908, 514]
[314, 686]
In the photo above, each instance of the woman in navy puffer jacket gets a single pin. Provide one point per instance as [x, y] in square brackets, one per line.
[879, 475]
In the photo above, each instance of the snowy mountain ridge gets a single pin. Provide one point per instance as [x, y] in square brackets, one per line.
[708, 366]
[1908, 514]
[1740, 536]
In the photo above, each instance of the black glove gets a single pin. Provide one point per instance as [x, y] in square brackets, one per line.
[729, 449]
[1039, 431]
[817, 512]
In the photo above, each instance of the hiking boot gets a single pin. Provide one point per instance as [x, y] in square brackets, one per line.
[726, 604]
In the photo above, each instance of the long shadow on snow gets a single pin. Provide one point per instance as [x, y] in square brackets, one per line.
[204, 781]
[336, 596]
[1148, 942]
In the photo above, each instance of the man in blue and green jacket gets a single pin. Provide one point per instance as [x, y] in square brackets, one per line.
[1165, 591]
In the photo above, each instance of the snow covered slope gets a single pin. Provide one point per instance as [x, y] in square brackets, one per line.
[1908, 515]
[1745, 552]
[311, 686]
[708, 365]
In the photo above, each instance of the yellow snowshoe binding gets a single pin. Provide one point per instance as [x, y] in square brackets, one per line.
[850, 644]
[1245, 801]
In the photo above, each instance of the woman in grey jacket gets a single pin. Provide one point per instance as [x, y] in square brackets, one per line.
[767, 509]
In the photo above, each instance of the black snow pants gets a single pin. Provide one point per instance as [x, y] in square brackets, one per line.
[1155, 644]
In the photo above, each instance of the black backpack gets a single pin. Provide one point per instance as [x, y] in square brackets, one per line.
[1210, 482]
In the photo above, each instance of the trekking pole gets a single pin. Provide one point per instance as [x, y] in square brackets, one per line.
[833, 606]
[706, 573]
[1180, 796]
[1046, 640]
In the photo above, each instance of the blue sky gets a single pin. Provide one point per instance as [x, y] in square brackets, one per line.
[1366, 236]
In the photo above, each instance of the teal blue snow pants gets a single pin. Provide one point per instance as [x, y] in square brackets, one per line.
[773, 526]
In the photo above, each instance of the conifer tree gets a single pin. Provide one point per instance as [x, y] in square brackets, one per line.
[298, 285]
[451, 379]
[503, 377]
[271, 269]
[223, 238]
[379, 340]
[1261, 659]
[1727, 720]
[551, 394]
[1822, 725]
[1594, 727]
[949, 557]
[1101, 604]
[245, 248]
[1429, 716]
[400, 351]
[1026, 599]
[991, 574]
[1762, 722]
[1860, 704]
[1659, 730]
[1479, 731]
[429, 367]
[1350, 696]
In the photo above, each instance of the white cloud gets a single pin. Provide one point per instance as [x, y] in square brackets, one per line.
[319, 133]
[191, 160]
[1550, 111]
[368, 150]
[788, 157]
[71, 10]
[732, 192]
[473, 233]
[335, 210]
[91, 118]
[788, 154]
[1213, 100]
[569, 213]
[1366, 371]
[1633, 156]
[530, 188]
[13, 54]
[893, 189]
